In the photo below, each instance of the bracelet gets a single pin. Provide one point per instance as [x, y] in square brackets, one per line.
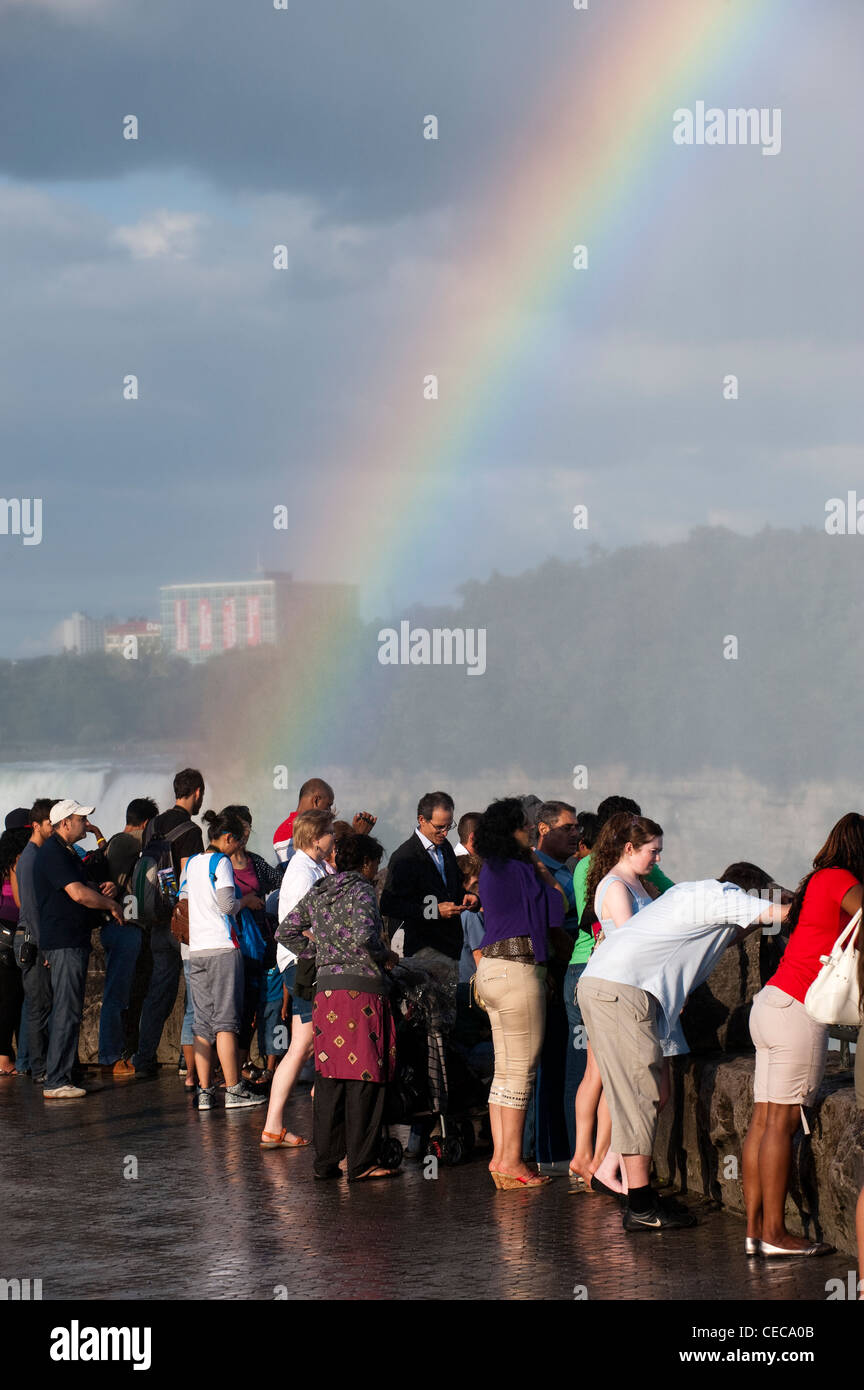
[101, 840]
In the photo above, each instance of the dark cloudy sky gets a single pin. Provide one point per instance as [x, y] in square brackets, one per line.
[301, 127]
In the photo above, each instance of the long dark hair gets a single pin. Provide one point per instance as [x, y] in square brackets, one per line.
[494, 837]
[844, 849]
[11, 844]
[618, 831]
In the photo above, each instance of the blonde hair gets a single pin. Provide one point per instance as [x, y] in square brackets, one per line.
[309, 827]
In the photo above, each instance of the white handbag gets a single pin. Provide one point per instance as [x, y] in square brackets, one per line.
[833, 996]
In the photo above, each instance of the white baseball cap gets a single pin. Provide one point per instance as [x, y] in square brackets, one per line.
[68, 808]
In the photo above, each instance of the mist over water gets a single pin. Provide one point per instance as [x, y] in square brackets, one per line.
[709, 818]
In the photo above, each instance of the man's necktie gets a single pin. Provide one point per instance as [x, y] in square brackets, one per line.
[439, 860]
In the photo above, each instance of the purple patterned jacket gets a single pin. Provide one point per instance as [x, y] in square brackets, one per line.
[341, 912]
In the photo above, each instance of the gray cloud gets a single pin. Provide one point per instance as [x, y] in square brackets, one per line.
[260, 387]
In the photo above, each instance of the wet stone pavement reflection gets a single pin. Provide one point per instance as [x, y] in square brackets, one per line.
[212, 1216]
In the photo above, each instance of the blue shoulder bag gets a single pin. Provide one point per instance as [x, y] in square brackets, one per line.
[252, 943]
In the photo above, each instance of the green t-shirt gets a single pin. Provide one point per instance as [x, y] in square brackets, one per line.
[585, 940]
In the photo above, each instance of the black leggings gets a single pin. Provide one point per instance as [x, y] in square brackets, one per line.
[346, 1119]
[11, 999]
[253, 972]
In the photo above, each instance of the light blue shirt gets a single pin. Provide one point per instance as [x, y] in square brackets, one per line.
[674, 1044]
[473, 932]
[673, 944]
[434, 852]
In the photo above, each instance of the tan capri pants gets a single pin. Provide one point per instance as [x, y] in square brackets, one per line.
[622, 1030]
[515, 996]
[791, 1049]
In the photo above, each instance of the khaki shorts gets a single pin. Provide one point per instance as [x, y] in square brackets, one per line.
[790, 1049]
[622, 1030]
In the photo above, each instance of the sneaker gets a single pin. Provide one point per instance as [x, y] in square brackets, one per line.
[118, 1071]
[204, 1097]
[240, 1095]
[38, 1078]
[659, 1218]
[65, 1093]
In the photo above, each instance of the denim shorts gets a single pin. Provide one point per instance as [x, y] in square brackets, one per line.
[301, 1009]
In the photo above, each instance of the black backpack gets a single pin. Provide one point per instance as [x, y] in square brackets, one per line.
[153, 879]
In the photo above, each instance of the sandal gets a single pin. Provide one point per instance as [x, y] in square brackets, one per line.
[508, 1182]
[376, 1173]
[577, 1182]
[278, 1141]
[10, 1071]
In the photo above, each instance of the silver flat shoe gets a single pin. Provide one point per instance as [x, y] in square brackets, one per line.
[751, 1245]
[819, 1248]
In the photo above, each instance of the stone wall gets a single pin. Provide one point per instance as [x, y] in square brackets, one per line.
[169, 1047]
[88, 1043]
[703, 1127]
[716, 1016]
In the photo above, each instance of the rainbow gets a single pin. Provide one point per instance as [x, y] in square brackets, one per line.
[599, 149]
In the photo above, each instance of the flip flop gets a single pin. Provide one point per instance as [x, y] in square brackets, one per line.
[598, 1186]
[377, 1174]
[10, 1072]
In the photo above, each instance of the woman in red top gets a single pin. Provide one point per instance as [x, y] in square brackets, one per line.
[790, 1047]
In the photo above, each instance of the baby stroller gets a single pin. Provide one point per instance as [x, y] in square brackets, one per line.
[431, 1080]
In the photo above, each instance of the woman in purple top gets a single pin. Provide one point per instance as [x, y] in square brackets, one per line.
[521, 901]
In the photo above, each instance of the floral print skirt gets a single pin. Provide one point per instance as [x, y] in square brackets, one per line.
[354, 1034]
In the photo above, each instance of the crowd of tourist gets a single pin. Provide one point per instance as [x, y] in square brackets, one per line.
[556, 928]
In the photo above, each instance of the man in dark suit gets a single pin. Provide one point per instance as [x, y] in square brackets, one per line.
[424, 892]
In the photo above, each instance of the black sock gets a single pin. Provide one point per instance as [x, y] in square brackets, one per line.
[641, 1199]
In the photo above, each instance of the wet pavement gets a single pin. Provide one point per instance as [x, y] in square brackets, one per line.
[211, 1216]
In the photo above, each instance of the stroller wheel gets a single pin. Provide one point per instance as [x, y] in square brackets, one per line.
[391, 1154]
[466, 1134]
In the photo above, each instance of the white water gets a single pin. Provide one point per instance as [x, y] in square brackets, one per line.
[709, 818]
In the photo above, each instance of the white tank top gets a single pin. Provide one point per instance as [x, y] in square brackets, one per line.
[640, 899]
